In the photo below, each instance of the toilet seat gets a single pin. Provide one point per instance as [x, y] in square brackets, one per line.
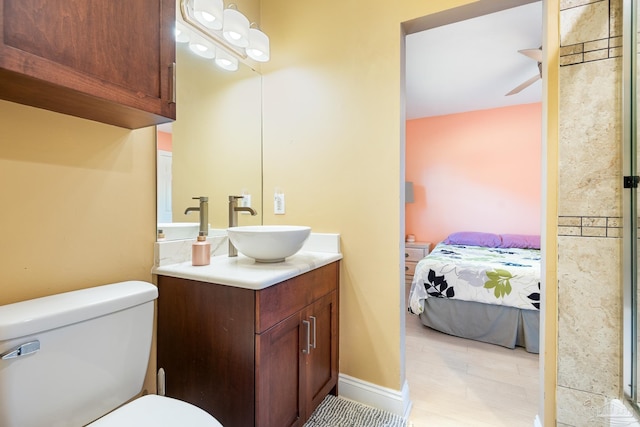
[157, 411]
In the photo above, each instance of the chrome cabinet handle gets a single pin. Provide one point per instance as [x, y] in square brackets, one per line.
[307, 324]
[313, 319]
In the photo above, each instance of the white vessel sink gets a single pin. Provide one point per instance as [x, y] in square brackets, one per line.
[268, 243]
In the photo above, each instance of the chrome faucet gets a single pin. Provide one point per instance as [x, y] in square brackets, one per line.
[204, 213]
[233, 218]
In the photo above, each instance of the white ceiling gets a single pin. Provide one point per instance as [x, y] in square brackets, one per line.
[471, 65]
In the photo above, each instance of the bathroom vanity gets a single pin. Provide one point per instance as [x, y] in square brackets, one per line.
[253, 352]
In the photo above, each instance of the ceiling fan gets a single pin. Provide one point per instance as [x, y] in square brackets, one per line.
[536, 55]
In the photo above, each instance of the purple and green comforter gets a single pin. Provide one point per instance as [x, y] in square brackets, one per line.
[497, 276]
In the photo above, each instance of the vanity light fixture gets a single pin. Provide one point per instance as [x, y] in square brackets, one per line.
[225, 60]
[258, 48]
[181, 33]
[235, 27]
[201, 46]
[209, 13]
[225, 34]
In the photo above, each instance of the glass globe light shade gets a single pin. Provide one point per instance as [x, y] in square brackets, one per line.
[225, 60]
[258, 48]
[181, 33]
[235, 28]
[202, 47]
[209, 13]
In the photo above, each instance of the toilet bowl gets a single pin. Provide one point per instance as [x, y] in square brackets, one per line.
[157, 411]
[78, 358]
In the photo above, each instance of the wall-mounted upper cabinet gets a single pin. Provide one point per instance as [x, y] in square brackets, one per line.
[105, 60]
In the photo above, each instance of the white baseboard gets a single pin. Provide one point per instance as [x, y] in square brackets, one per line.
[394, 401]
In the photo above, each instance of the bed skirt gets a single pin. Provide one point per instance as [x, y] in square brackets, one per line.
[501, 325]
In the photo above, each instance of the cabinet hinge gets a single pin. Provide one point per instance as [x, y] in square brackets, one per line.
[631, 181]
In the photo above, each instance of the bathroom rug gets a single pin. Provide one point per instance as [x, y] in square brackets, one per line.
[339, 412]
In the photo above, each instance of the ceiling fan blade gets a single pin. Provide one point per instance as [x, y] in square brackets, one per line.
[528, 83]
[535, 54]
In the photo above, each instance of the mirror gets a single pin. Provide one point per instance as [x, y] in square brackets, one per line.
[214, 148]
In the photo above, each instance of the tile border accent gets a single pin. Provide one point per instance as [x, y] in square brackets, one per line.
[590, 226]
[595, 50]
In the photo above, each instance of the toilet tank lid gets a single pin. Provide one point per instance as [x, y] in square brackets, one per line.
[42, 314]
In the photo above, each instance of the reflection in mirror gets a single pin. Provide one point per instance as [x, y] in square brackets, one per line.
[213, 149]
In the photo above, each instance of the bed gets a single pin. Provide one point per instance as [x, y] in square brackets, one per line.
[481, 286]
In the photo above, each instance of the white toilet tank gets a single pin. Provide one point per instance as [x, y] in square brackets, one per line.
[67, 359]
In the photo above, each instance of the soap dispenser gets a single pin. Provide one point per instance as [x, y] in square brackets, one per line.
[201, 250]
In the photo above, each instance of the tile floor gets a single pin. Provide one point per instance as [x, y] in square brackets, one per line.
[455, 382]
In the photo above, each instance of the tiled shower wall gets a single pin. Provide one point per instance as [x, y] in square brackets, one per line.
[590, 211]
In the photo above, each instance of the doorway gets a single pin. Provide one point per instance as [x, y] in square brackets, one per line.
[429, 185]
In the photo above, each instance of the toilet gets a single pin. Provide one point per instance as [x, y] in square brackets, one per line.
[78, 358]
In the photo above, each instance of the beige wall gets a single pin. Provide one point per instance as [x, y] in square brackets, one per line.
[78, 203]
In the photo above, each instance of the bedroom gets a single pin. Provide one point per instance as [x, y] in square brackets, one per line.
[473, 156]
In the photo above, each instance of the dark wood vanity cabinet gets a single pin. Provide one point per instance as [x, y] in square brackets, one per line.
[262, 358]
[105, 60]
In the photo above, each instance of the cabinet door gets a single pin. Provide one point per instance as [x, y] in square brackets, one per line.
[321, 363]
[280, 373]
[206, 341]
[108, 61]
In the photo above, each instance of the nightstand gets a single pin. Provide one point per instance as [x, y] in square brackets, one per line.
[413, 252]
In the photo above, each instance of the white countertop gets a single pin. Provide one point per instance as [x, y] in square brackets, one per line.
[173, 259]
[245, 272]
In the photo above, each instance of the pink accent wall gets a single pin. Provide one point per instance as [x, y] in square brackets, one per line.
[165, 141]
[475, 171]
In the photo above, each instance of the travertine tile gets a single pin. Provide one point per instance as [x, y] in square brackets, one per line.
[584, 23]
[571, 49]
[615, 41]
[596, 55]
[569, 231]
[596, 45]
[566, 4]
[577, 408]
[577, 58]
[589, 154]
[615, 52]
[615, 18]
[574, 221]
[589, 306]
[614, 222]
[594, 231]
[591, 221]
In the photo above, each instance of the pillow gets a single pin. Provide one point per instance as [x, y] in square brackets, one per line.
[522, 241]
[474, 238]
